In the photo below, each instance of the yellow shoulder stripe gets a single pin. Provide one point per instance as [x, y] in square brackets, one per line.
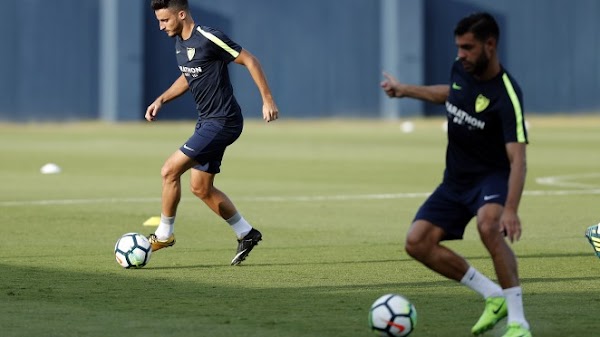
[517, 106]
[219, 42]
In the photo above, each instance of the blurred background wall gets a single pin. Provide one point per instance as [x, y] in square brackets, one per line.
[106, 59]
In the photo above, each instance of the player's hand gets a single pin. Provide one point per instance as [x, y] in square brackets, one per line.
[510, 225]
[152, 110]
[270, 112]
[391, 86]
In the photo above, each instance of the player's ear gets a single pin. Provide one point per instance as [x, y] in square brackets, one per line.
[490, 44]
[182, 15]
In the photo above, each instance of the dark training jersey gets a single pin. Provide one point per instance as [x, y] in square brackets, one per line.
[203, 59]
[483, 116]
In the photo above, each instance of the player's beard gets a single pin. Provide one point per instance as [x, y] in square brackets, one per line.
[480, 65]
[176, 31]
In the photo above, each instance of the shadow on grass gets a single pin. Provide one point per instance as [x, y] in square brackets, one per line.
[402, 258]
[45, 302]
[147, 302]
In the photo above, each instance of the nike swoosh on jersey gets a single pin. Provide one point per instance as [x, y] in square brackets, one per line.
[490, 197]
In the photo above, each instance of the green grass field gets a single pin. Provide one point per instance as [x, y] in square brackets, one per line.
[333, 199]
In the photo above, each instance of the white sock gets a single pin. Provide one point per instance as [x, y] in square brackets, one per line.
[240, 226]
[165, 228]
[481, 284]
[514, 304]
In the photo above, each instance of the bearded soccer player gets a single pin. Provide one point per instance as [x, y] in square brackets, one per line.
[203, 54]
[484, 175]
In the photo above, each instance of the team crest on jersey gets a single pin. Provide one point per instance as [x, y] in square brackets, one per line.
[190, 53]
[481, 103]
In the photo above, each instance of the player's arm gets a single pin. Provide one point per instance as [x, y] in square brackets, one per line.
[178, 88]
[437, 94]
[270, 111]
[509, 221]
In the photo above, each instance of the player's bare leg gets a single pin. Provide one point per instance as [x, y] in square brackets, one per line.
[173, 168]
[505, 262]
[505, 265]
[423, 244]
[202, 184]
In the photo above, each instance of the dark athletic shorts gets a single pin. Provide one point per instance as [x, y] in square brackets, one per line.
[209, 141]
[451, 207]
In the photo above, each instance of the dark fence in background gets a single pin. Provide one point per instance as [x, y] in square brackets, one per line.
[322, 58]
[49, 60]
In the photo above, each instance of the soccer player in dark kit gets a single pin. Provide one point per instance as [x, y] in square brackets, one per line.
[203, 54]
[484, 175]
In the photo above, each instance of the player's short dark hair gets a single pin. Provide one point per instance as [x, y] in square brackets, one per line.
[481, 24]
[178, 5]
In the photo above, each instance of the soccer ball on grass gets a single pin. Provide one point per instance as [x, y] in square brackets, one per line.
[133, 250]
[392, 315]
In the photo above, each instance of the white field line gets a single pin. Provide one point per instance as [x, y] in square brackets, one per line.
[59, 202]
[557, 181]
[567, 181]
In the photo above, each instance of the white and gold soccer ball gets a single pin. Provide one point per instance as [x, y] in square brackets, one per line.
[392, 315]
[133, 250]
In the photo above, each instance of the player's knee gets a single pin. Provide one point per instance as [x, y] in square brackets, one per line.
[415, 247]
[200, 191]
[488, 221]
[167, 172]
[488, 228]
[410, 249]
[421, 239]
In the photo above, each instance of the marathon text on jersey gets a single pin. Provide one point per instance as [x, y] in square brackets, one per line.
[187, 71]
[461, 117]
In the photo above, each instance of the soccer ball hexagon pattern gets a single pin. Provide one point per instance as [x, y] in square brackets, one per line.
[392, 315]
[132, 250]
